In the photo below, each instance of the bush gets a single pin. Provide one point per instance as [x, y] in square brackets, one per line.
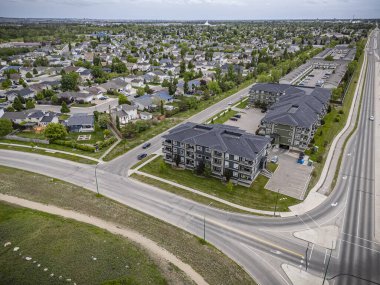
[337, 120]
[319, 158]
[107, 142]
[325, 143]
[322, 122]
[73, 144]
[341, 112]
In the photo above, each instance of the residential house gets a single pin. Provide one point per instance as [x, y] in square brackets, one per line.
[49, 117]
[25, 93]
[125, 113]
[146, 116]
[144, 102]
[81, 123]
[221, 148]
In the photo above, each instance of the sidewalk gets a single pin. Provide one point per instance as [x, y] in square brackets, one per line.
[52, 151]
[377, 152]
[111, 227]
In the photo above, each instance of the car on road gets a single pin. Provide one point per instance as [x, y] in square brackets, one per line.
[104, 98]
[146, 145]
[237, 116]
[372, 118]
[141, 156]
[233, 119]
[230, 103]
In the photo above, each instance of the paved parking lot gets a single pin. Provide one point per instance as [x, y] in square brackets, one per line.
[295, 175]
[249, 121]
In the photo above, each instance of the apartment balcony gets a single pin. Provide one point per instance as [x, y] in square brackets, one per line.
[190, 155]
[247, 171]
[190, 148]
[246, 162]
[167, 149]
[217, 154]
[216, 162]
[167, 143]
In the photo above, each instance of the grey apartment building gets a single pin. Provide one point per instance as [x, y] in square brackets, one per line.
[293, 120]
[220, 147]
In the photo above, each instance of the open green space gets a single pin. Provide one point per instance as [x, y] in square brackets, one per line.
[243, 104]
[334, 123]
[76, 251]
[214, 266]
[223, 117]
[256, 196]
[48, 153]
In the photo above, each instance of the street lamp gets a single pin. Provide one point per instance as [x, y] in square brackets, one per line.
[96, 179]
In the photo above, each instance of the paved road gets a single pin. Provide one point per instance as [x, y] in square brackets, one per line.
[259, 244]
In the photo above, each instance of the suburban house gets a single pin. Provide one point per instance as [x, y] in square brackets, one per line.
[81, 123]
[49, 117]
[144, 102]
[25, 93]
[294, 119]
[146, 116]
[220, 147]
[163, 95]
[125, 113]
[80, 97]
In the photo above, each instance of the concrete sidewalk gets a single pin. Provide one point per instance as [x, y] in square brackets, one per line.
[377, 152]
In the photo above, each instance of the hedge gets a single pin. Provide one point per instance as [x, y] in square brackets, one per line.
[73, 144]
[107, 142]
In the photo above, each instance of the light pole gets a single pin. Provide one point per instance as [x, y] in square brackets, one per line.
[96, 179]
[275, 205]
[306, 260]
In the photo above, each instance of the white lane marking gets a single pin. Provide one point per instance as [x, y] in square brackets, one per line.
[263, 259]
[361, 238]
[362, 246]
[275, 251]
[311, 252]
[359, 206]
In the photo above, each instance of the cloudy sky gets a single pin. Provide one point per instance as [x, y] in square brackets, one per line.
[191, 9]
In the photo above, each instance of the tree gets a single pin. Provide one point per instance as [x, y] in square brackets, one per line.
[6, 84]
[200, 167]
[329, 58]
[182, 68]
[29, 104]
[185, 87]
[104, 120]
[117, 122]
[96, 61]
[177, 159]
[129, 130]
[54, 99]
[123, 99]
[17, 105]
[70, 47]
[162, 111]
[214, 88]
[97, 72]
[28, 75]
[55, 131]
[64, 108]
[140, 91]
[35, 72]
[69, 81]
[5, 127]
[227, 174]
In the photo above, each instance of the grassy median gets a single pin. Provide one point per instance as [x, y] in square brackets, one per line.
[256, 196]
[215, 267]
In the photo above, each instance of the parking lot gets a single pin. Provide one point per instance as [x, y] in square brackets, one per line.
[315, 76]
[295, 175]
[249, 121]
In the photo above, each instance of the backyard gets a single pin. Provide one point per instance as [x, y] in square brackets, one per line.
[256, 196]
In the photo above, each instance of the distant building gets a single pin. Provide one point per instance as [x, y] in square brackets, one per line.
[221, 148]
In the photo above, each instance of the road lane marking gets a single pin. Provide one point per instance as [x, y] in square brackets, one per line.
[311, 252]
[270, 265]
[324, 260]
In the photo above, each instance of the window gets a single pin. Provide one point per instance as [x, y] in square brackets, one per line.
[199, 156]
[175, 150]
[181, 152]
[199, 148]
[235, 174]
[182, 159]
[236, 166]
[226, 164]
[227, 156]
[207, 158]
[207, 149]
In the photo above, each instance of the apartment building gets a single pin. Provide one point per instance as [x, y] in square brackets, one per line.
[294, 119]
[221, 148]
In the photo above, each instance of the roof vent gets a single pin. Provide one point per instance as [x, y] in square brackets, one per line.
[293, 109]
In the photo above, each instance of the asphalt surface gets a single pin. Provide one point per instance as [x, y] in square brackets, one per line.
[259, 244]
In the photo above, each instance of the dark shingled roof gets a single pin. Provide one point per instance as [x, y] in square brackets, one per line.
[221, 138]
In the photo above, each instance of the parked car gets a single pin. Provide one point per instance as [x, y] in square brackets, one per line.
[146, 145]
[237, 116]
[274, 159]
[372, 118]
[233, 119]
[141, 156]
[230, 103]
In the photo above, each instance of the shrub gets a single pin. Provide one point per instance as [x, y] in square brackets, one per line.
[73, 144]
[337, 120]
[107, 142]
[319, 158]
[325, 143]
[341, 112]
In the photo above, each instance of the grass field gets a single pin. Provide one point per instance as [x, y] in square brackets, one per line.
[214, 266]
[256, 196]
[67, 249]
[243, 104]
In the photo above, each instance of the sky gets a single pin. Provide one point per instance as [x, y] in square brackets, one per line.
[191, 9]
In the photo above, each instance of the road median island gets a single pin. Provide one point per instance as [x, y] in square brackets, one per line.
[210, 263]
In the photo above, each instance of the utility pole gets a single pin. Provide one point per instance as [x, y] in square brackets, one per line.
[96, 180]
[327, 267]
[275, 205]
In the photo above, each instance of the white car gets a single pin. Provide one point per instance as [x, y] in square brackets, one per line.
[230, 103]
[372, 118]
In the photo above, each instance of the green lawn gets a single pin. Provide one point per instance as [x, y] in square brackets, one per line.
[214, 266]
[221, 119]
[256, 196]
[48, 153]
[64, 117]
[272, 166]
[95, 137]
[326, 133]
[31, 135]
[67, 249]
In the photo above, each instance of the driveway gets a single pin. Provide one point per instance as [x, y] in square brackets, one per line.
[297, 176]
[249, 121]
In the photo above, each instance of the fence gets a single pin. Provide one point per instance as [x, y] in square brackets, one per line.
[17, 138]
